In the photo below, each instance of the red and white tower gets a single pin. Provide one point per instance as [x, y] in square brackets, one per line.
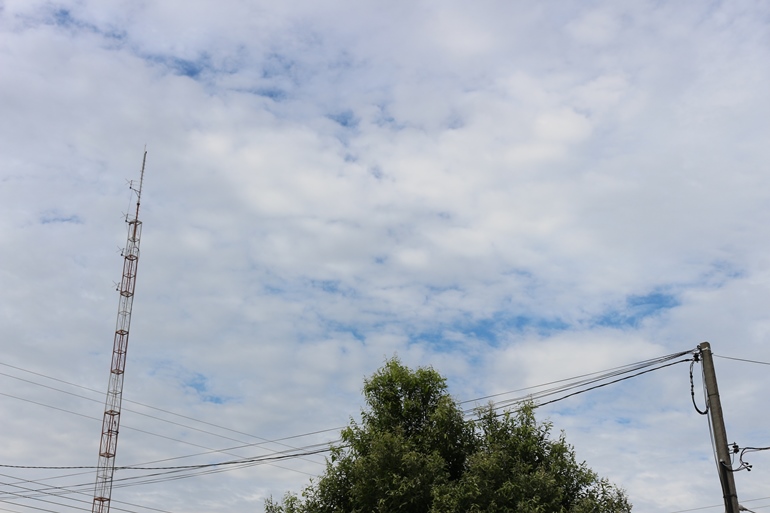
[111, 422]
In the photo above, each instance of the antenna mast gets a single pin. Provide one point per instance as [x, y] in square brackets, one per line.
[111, 422]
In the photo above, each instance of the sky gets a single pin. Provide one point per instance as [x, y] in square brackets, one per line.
[510, 192]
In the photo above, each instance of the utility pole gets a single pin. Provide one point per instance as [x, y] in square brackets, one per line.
[720, 434]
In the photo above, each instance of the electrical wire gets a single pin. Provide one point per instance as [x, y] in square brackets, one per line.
[31, 507]
[182, 471]
[692, 390]
[265, 440]
[188, 471]
[209, 450]
[60, 491]
[126, 400]
[202, 465]
[171, 473]
[635, 365]
[571, 384]
[124, 426]
[11, 510]
[124, 409]
[612, 382]
[741, 359]
[225, 451]
[87, 502]
[743, 464]
[592, 381]
[185, 472]
[711, 432]
[600, 375]
[722, 506]
[538, 405]
[45, 501]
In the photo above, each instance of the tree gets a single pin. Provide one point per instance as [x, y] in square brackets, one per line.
[414, 452]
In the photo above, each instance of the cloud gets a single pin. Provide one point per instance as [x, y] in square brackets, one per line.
[54, 218]
[595, 28]
[512, 194]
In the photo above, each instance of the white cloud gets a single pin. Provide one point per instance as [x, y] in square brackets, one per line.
[595, 28]
[511, 193]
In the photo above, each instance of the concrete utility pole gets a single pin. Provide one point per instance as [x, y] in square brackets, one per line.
[720, 434]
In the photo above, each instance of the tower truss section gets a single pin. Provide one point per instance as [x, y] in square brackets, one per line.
[111, 421]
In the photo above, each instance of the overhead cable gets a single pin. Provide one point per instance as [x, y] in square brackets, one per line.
[62, 491]
[566, 388]
[590, 382]
[692, 389]
[741, 359]
[265, 440]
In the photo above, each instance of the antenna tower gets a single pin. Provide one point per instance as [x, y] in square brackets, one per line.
[111, 422]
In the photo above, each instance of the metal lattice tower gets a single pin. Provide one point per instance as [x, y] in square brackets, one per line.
[111, 422]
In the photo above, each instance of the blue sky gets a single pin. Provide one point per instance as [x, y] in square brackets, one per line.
[512, 193]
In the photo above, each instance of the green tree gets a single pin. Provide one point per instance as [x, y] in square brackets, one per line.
[413, 452]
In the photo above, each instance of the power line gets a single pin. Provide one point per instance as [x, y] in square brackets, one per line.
[202, 465]
[63, 491]
[31, 507]
[722, 505]
[45, 501]
[598, 376]
[209, 450]
[634, 365]
[538, 405]
[21, 496]
[743, 464]
[246, 462]
[124, 409]
[612, 382]
[151, 433]
[568, 384]
[692, 391]
[192, 470]
[143, 405]
[164, 474]
[741, 359]
[590, 379]
[12, 510]
[266, 441]
[161, 474]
